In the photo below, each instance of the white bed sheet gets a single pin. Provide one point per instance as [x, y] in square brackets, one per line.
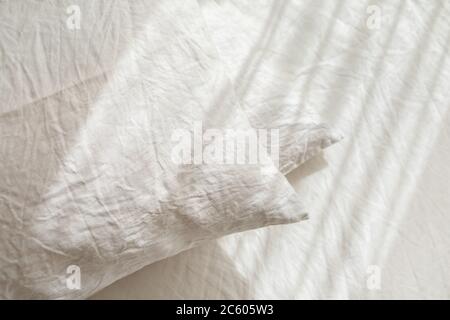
[86, 174]
[379, 200]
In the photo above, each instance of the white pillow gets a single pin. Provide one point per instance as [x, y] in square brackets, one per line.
[259, 44]
[90, 190]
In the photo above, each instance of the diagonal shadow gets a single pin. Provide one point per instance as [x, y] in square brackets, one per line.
[389, 136]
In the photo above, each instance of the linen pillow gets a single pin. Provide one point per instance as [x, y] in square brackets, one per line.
[259, 44]
[90, 190]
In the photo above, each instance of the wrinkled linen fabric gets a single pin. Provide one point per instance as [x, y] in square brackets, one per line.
[251, 37]
[380, 197]
[86, 118]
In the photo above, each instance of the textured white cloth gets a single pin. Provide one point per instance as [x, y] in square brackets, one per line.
[377, 199]
[86, 121]
[251, 37]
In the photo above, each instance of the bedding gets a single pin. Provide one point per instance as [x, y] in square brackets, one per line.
[379, 72]
[91, 189]
[264, 74]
